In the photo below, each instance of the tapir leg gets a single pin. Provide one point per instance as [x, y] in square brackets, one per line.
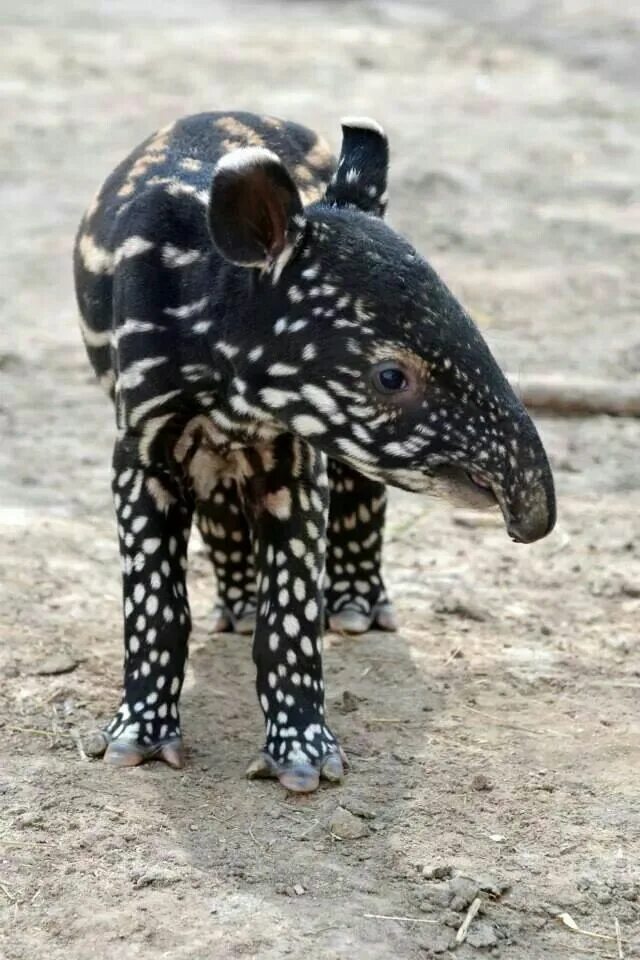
[356, 598]
[225, 532]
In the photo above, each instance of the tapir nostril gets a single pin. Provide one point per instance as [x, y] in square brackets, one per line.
[536, 517]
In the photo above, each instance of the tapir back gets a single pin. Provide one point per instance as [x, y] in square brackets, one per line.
[158, 197]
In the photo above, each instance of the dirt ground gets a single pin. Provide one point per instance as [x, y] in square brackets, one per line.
[494, 740]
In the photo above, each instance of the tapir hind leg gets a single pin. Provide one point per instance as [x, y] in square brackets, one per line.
[226, 535]
[356, 598]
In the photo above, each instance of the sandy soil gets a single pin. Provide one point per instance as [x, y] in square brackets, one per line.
[495, 740]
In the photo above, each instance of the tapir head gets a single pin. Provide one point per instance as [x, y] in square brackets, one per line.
[360, 348]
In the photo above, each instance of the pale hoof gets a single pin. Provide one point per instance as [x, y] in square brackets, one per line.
[299, 777]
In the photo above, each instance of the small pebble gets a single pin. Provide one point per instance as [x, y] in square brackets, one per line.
[481, 934]
[490, 884]
[440, 872]
[55, 664]
[347, 827]
[463, 890]
[456, 603]
[349, 703]
[30, 819]
[436, 894]
[451, 919]
[481, 782]
[94, 743]
[358, 808]
[155, 877]
[434, 940]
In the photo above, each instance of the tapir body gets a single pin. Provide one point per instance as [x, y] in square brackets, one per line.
[277, 355]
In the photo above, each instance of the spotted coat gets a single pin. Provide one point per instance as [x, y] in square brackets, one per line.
[276, 355]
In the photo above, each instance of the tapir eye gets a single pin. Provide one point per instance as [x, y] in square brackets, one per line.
[389, 378]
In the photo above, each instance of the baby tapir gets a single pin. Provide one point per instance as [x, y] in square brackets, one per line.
[277, 355]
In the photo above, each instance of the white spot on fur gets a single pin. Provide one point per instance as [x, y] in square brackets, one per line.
[95, 259]
[187, 309]
[320, 398]
[246, 157]
[131, 326]
[311, 610]
[282, 370]
[131, 247]
[291, 625]
[297, 547]
[174, 257]
[139, 412]
[307, 426]
[227, 349]
[279, 503]
[94, 338]
[150, 431]
[354, 450]
[363, 123]
[275, 398]
[133, 376]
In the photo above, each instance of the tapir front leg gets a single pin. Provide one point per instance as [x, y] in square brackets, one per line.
[154, 520]
[288, 504]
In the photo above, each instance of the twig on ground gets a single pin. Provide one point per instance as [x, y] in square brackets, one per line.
[55, 726]
[618, 939]
[569, 922]
[42, 733]
[514, 726]
[306, 832]
[10, 897]
[253, 837]
[77, 739]
[475, 905]
[384, 916]
[452, 656]
[222, 820]
[566, 393]
[386, 720]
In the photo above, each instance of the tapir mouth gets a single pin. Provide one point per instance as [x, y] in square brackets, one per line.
[530, 519]
[465, 487]
[535, 522]
[479, 481]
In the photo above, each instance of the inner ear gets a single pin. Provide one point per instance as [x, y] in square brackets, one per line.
[361, 177]
[255, 210]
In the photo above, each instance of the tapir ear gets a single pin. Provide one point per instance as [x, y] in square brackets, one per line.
[361, 177]
[255, 211]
